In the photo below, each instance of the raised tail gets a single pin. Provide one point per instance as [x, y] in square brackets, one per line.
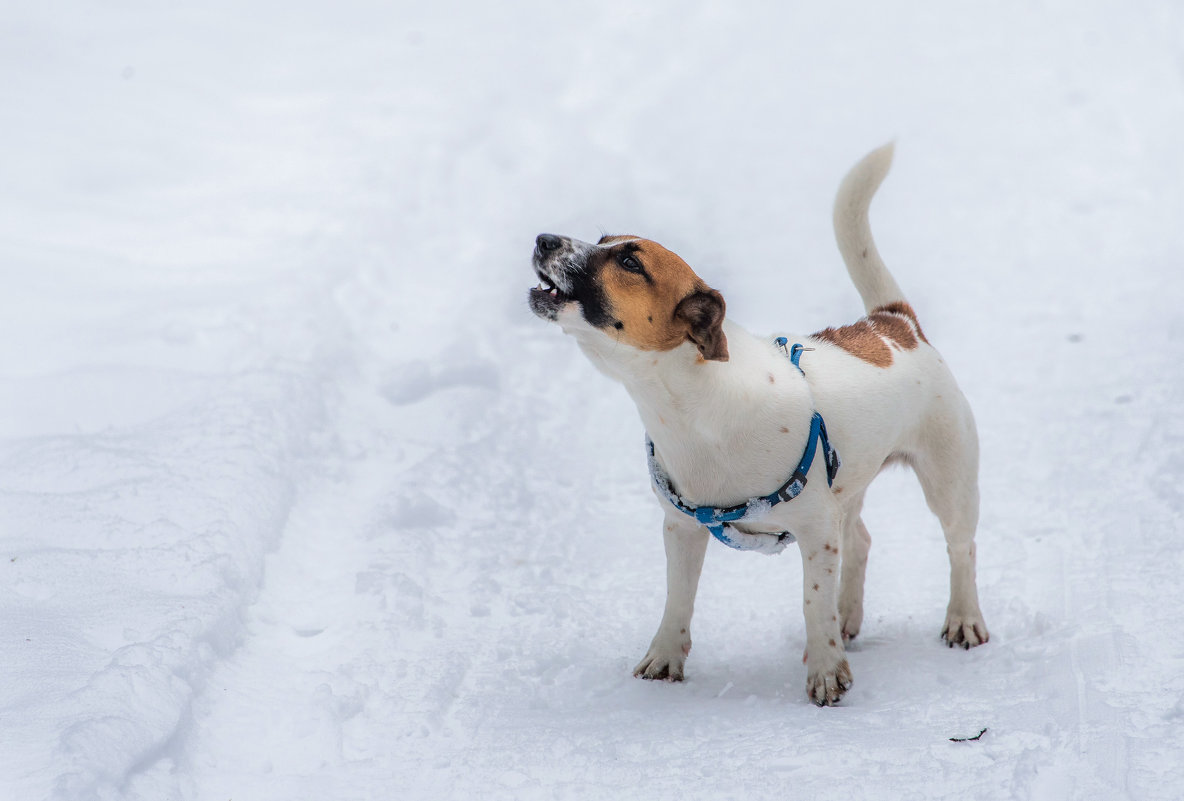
[876, 285]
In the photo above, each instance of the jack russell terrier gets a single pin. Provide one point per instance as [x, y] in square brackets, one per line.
[730, 416]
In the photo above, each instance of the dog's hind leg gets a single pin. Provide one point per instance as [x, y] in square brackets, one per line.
[947, 467]
[855, 544]
[686, 545]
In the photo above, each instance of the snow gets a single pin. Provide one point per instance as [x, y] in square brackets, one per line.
[297, 500]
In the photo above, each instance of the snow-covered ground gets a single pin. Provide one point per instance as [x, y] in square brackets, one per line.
[298, 501]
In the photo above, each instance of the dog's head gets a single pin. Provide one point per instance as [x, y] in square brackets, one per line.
[631, 290]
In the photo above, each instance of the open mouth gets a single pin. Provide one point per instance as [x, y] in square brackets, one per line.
[547, 286]
[546, 299]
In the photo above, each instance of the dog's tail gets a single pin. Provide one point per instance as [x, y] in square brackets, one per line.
[875, 284]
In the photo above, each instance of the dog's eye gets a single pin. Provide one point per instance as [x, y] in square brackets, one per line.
[631, 264]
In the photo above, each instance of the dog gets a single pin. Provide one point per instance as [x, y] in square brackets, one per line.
[729, 417]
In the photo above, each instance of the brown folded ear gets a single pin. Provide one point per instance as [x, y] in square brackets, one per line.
[703, 313]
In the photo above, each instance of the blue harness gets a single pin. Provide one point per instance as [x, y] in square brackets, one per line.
[718, 519]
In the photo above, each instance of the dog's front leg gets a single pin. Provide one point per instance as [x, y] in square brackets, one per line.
[827, 673]
[686, 543]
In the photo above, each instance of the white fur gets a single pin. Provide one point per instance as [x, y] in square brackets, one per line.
[717, 429]
[854, 233]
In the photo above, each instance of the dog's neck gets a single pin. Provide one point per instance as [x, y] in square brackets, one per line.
[724, 431]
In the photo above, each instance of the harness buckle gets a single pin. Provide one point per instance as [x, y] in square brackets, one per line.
[794, 488]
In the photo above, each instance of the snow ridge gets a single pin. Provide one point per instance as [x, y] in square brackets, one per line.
[164, 526]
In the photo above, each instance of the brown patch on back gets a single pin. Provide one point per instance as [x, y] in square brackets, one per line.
[860, 340]
[651, 304]
[893, 325]
[905, 310]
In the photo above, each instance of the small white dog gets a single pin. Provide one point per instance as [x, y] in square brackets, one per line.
[731, 417]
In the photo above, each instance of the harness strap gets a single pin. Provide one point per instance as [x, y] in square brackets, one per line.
[794, 353]
[716, 518]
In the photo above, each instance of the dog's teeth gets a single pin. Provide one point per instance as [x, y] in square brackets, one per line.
[540, 286]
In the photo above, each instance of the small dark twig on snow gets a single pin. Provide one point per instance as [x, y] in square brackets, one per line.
[978, 736]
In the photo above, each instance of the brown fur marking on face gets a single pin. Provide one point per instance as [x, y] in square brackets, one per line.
[893, 325]
[665, 304]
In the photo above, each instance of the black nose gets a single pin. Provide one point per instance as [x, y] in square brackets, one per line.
[548, 242]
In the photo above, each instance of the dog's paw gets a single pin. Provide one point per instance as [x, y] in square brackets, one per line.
[825, 688]
[965, 630]
[663, 662]
[850, 622]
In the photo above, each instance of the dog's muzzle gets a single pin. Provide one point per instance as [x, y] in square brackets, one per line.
[557, 260]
